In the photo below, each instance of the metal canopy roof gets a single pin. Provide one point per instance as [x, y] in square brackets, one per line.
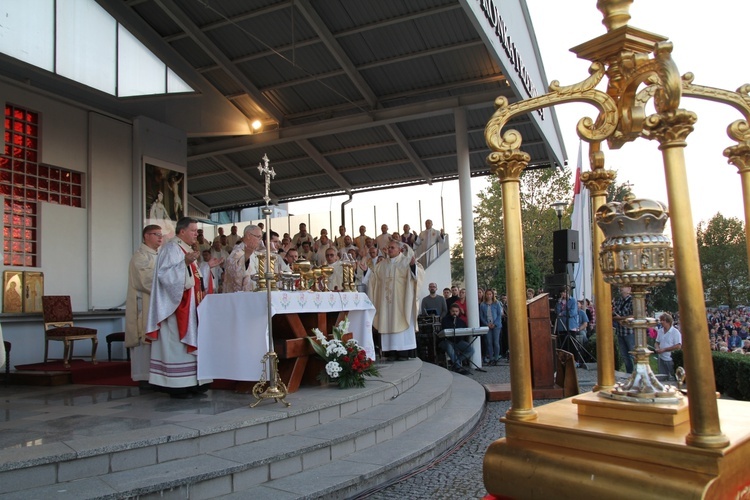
[353, 94]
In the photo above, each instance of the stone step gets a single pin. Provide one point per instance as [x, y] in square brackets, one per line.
[364, 469]
[236, 453]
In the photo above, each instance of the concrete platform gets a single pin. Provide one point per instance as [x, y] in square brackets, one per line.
[83, 441]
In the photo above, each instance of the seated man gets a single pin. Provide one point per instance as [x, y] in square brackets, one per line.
[457, 348]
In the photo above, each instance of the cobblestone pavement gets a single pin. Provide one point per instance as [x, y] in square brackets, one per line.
[457, 474]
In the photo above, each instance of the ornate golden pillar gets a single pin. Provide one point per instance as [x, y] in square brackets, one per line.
[597, 181]
[508, 166]
[588, 446]
[739, 156]
[671, 129]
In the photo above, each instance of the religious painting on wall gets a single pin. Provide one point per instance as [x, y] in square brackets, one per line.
[164, 194]
[33, 289]
[12, 291]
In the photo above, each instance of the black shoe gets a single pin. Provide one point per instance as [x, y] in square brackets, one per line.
[182, 395]
[143, 385]
[199, 389]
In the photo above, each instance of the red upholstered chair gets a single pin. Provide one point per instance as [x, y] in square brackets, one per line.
[58, 325]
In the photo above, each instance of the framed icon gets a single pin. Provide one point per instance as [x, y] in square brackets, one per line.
[33, 289]
[13, 291]
[164, 194]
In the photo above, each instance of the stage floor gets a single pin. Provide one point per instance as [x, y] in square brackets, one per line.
[32, 416]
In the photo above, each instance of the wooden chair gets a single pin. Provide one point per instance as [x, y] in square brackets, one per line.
[58, 325]
[116, 337]
[566, 376]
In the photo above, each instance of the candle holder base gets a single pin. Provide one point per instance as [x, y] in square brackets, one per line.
[276, 389]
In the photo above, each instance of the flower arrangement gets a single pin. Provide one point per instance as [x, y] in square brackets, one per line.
[346, 362]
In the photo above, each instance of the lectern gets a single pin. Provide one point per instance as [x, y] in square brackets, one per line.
[541, 349]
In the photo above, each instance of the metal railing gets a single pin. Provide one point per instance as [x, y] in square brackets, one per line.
[427, 257]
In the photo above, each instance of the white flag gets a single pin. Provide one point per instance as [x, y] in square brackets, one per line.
[581, 222]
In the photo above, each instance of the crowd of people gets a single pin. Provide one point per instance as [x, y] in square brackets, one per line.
[318, 250]
[167, 281]
[729, 329]
[451, 308]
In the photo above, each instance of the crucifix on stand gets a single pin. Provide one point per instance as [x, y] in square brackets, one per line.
[276, 389]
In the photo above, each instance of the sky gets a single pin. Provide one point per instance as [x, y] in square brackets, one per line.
[707, 42]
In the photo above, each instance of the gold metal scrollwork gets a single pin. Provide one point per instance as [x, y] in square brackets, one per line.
[584, 91]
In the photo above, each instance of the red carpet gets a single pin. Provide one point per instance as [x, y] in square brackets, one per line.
[102, 373]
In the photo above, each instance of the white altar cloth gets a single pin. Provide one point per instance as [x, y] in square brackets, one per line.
[233, 327]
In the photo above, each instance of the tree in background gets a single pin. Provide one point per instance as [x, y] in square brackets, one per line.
[723, 258]
[539, 189]
[618, 192]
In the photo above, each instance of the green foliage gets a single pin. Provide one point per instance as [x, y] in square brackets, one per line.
[539, 189]
[663, 298]
[723, 258]
[618, 192]
[619, 362]
[731, 371]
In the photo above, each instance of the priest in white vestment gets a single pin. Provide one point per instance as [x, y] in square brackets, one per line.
[427, 239]
[172, 317]
[393, 286]
[140, 279]
[336, 279]
[242, 263]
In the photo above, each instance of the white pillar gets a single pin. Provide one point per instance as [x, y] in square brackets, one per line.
[467, 227]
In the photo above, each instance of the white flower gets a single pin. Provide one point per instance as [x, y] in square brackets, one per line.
[318, 334]
[334, 348]
[342, 327]
[333, 369]
[351, 343]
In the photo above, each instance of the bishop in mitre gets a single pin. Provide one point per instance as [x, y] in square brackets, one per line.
[393, 285]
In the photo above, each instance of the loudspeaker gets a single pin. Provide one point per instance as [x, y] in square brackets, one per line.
[564, 247]
[555, 283]
[555, 280]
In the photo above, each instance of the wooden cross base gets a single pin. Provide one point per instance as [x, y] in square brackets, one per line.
[298, 363]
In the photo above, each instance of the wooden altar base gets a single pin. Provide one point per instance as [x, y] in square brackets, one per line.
[501, 392]
[564, 454]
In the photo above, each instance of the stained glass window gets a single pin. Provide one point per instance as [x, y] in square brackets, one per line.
[24, 183]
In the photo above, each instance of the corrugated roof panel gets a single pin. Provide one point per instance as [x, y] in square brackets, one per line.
[293, 169]
[190, 50]
[257, 34]
[203, 166]
[157, 19]
[223, 82]
[384, 43]
[274, 69]
[364, 137]
[317, 95]
[276, 152]
[441, 124]
[410, 37]
[465, 64]
[201, 15]
[442, 166]
[312, 184]
[215, 182]
[445, 28]
[230, 197]
[369, 156]
[344, 15]
[403, 76]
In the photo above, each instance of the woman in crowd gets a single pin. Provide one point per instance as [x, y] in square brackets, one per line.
[490, 315]
[462, 305]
